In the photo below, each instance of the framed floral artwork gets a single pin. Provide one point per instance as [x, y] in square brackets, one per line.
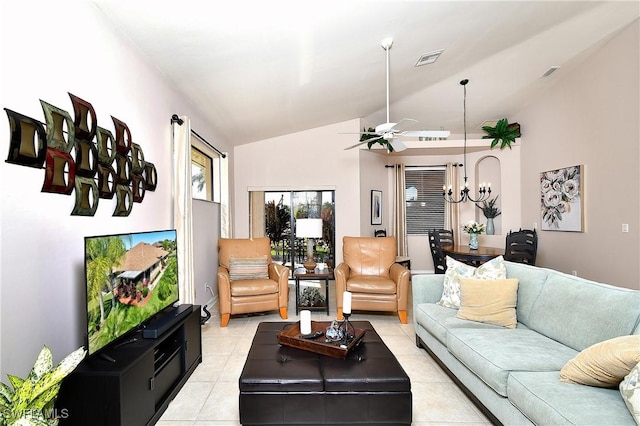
[376, 207]
[562, 199]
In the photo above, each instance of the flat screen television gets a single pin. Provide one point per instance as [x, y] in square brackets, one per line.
[130, 278]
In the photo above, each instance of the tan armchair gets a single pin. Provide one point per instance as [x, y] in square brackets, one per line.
[370, 273]
[250, 289]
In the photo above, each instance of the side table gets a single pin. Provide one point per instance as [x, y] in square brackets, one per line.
[301, 274]
[404, 261]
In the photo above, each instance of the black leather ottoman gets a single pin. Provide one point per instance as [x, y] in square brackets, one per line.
[284, 385]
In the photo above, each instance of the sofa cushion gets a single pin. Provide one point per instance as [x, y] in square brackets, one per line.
[531, 279]
[248, 268]
[545, 400]
[371, 284]
[579, 312]
[242, 247]
[437, 320]
[491, 270]
[244, 288]
[489, 301]
[369, 255]
[604, 364]
[630, 391]
[492, 354]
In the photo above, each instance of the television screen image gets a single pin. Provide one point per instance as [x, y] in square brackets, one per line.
[129, 279]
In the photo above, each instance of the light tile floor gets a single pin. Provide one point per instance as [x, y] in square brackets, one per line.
[210, 397]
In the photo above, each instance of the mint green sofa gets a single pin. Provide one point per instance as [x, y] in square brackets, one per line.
[514, 373]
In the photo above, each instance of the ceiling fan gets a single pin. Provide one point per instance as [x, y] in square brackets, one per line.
[387, 134]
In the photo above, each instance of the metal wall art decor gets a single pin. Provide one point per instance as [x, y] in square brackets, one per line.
[78, 155]
[562, 199]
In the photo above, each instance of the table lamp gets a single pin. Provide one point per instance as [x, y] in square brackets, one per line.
[309, 229]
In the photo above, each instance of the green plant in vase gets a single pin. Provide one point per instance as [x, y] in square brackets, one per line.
[490, 211]
[30, 401]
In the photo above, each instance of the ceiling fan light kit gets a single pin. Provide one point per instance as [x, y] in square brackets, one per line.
[387, 134]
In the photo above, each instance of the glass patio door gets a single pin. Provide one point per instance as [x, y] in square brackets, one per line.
[282, 209]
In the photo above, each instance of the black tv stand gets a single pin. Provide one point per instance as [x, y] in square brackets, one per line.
[135, 386]
[106, 357]
[126, 342]
[160, 325]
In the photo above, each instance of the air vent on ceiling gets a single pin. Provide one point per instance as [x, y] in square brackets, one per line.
[429, 58]
[550, 71]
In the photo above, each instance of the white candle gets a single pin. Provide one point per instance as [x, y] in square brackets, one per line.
[305, 322]
[346, 302]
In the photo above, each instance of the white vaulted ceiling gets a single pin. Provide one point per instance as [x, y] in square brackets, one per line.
[259, 69]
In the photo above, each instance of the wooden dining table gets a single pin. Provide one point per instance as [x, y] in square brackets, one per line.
[474, 257]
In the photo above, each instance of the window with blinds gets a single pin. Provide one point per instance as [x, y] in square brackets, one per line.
[423, 195]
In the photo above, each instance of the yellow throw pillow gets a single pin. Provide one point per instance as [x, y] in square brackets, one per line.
[489, 301]
[604, 364]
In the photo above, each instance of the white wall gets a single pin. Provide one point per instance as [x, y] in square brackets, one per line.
[591, 117]
[374, 176]
[311, 160]
[68, 47]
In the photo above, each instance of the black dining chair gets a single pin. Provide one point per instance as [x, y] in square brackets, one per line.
[521, 246]
[437, 239]
[380, 232]
[446, 237]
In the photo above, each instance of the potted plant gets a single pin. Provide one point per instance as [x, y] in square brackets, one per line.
[490, 211]
[503, 133]
[370, 134]
[30, 401]
[311, 297]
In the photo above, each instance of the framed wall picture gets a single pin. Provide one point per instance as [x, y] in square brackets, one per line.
[376, 207]
[562, 199]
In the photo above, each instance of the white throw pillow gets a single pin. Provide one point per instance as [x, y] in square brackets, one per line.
[491, 270]
[630, 391]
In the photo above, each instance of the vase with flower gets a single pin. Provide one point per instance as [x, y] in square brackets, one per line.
[474, 229]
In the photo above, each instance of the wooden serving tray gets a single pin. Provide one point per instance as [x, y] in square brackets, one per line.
[290, 336]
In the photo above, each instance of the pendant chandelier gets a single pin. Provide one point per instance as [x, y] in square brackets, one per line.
[484, 190]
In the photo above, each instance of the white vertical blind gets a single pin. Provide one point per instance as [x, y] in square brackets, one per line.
[423, 194]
